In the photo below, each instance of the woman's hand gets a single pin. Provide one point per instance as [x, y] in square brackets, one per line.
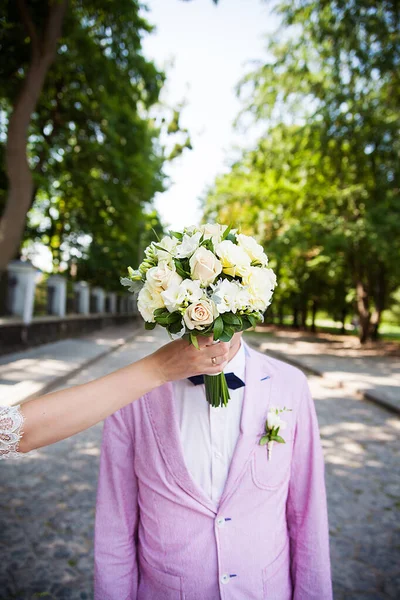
[56, 416]
[180, 359]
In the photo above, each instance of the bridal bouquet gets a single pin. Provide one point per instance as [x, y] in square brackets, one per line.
[206, 280]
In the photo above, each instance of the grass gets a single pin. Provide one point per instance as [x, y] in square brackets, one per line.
[387, 331]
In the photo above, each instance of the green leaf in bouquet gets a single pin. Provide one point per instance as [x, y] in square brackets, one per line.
[161, 321]
[218, 328]
[230, 330]
[149, 326]
[263, 440]
[207, 331]
[161, 248]
[227, 334]
[280, 439]
[176, 234]
[226, 232]
[208, 245]
[173, 317]
[254, 319]
[175, 327]
[245, 323]
[194, 341]
[161, 311]
[156, 234]
[231, 319]
[231, 237]
[180, 268]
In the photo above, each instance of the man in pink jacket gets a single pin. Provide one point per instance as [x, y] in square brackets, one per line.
[190, 506]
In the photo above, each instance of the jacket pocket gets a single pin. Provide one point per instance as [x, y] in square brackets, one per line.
[158, 585]
[277, 583]
[269, 474]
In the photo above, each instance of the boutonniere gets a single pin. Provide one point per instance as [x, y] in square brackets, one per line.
[272, 426]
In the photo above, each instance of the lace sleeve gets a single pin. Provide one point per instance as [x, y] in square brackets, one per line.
[11, 424]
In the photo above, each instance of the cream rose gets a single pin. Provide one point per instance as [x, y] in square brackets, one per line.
[148, 300]
[253, 250]
[235, 261]
[199, 315]
[205, 266]
[260, 283]
[162, 276]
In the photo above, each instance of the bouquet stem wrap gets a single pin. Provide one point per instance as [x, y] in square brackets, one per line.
[217, 391]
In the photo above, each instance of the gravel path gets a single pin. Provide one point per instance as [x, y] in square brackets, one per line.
[47, 500]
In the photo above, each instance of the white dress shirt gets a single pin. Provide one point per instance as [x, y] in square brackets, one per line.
[208, 434]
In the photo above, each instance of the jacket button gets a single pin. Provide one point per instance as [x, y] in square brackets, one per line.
[225, 578]
[220, 521]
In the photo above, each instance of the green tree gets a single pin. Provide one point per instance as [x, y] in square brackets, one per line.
[333, 76]
[78, 144]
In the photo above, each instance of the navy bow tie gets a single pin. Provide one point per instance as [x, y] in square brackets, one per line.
[232, 380]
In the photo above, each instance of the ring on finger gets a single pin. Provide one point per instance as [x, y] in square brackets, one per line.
[213, 360]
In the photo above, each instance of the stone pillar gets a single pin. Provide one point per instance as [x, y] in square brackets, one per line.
[22, 276]
[82, 289]
[99, 293]
[131, 304]
[112, 302]
[59, 296]
[122, 304]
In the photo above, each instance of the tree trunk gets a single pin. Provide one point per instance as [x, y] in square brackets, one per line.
[374, 326]
[363, 311]
[20, 180]
[303, 315]
[295, 322]
[344, 315]
[380, 300]
[280, 313]
[313, 315]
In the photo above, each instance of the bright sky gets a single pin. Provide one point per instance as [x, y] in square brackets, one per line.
[210, 48]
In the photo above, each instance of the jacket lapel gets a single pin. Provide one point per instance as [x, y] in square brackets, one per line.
[257, 396]
[161, 410]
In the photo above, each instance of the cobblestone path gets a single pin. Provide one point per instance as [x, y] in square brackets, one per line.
[47, 500]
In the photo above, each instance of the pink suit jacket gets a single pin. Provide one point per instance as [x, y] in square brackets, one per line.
[159, 537]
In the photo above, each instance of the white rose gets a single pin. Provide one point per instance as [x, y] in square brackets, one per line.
[235, 261]
[205, 266]
[162, 276]
[169, 245]
[148, 301]
[213, 232]
[226, 296]
[274, 420]
[199, 315]
[188, 245]
[255, 251]
[260, 283]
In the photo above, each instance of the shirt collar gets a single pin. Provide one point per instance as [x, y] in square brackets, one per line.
[238, 363]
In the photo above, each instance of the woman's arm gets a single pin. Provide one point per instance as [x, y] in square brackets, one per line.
[56, 416]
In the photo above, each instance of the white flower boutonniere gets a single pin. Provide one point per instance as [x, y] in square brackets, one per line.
[272, 426]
